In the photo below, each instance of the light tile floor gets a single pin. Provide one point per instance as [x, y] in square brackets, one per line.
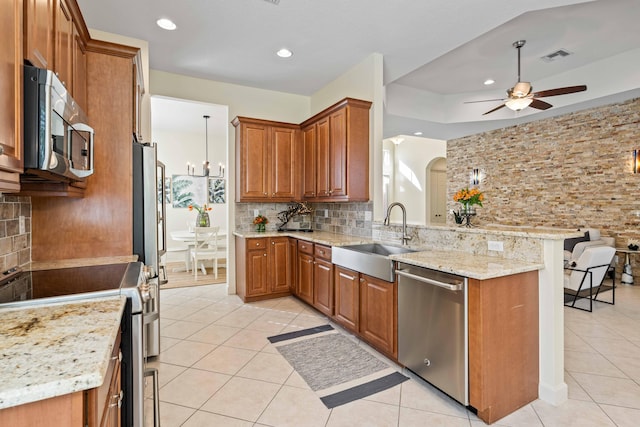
[216, 368]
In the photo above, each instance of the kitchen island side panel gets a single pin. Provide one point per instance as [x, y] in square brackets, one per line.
[503, 344]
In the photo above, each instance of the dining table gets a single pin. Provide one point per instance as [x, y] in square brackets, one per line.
[189, 237]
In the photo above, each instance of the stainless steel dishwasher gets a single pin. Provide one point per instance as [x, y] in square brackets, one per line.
[433, 329]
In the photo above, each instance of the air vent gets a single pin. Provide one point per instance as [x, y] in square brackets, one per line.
[560, 53]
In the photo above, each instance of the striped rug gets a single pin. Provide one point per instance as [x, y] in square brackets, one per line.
[334, 366]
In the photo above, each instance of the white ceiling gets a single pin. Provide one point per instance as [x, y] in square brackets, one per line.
[437, 53]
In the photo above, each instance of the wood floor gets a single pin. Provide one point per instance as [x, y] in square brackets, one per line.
[180, 279]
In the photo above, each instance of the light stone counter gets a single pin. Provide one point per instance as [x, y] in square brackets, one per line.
[78, 262]
[462, 263]
[50, 350]
[479, 267]
[321, 237]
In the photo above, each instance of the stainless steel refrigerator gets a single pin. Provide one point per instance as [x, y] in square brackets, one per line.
[149, 230]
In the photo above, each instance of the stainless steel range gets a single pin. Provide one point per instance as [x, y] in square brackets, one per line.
[23, 288]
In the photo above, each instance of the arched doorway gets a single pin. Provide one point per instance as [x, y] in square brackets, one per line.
[436, 196]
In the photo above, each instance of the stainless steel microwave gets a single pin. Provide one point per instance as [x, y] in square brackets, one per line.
[58, 142]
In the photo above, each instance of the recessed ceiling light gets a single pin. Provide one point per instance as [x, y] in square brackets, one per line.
[284, 53]
[417, 133]
[489, 82]
[166, 24]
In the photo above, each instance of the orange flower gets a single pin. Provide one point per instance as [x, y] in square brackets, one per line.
[260, 220]
[469, 197]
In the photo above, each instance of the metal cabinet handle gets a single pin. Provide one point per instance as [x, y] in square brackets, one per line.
[119, 357]
[273, 243]
[449, 286]
[264, 254]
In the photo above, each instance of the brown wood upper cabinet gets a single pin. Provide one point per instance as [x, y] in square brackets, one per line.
[55, 38]
[38, 32]
[11, 160]
[266, 152]
[336, 153]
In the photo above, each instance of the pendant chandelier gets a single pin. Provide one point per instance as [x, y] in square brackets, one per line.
[206, 169]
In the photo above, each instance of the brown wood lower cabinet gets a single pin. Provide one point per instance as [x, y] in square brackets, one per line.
[263, 268]
[304, 278]
[347, 298]
[379, 314]
[323, 280]
[369, 307]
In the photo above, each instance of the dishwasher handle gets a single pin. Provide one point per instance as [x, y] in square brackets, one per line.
[448, 286]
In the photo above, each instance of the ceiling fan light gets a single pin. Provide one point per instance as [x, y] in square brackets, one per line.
[517, 104]
[521, 89]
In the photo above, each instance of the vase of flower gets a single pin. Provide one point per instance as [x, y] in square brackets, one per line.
[202, 220]
[261, 223]
[468, 198]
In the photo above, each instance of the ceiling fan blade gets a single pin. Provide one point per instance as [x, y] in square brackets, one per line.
[560, 91]
[495, 109]
[540, 105]
[484, 100]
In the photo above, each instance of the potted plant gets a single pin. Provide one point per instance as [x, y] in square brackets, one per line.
[260, 222]
[203, 219]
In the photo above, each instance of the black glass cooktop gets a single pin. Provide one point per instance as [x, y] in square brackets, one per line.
[29, 285]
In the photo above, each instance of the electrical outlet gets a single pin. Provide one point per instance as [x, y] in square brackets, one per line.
[256, 212]
[496, 246]
[326, 213]
[21, 225]
[367, 215]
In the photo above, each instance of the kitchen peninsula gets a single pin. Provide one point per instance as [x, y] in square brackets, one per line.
[54, 359]
[532, 255]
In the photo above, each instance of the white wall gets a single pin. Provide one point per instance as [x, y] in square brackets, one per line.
[411, 158]
[362, 81]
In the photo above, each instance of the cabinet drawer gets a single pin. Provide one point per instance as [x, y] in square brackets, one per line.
[323, 252]
[256, 244]
[305, 247]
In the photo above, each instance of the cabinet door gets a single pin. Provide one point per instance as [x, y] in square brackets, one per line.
[347, 298]
[279, 265]
[378, 313]
[338, 153]
[79, 90]
[309, 162]
[38, 32]
[283, 163]
[323, 160]
[323, 286]
[63, 44]
[257, 274]
[305, 277]
[293, 257]
[254, 161]
[11, 90]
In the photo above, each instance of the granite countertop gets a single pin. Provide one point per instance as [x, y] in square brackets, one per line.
[321, 237]
[49, 350]
[479, 267]
[78, 262]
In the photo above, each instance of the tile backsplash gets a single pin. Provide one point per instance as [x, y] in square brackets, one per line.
[345, 218]
[15, 247]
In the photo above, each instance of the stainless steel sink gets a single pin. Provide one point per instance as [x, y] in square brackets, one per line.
[369, 258]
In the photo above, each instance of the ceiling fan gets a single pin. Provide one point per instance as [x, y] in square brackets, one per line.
[520, 96]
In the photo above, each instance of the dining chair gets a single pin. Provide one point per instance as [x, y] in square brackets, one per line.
[205, 248]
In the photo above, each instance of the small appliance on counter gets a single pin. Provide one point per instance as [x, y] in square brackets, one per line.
[297, 217]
